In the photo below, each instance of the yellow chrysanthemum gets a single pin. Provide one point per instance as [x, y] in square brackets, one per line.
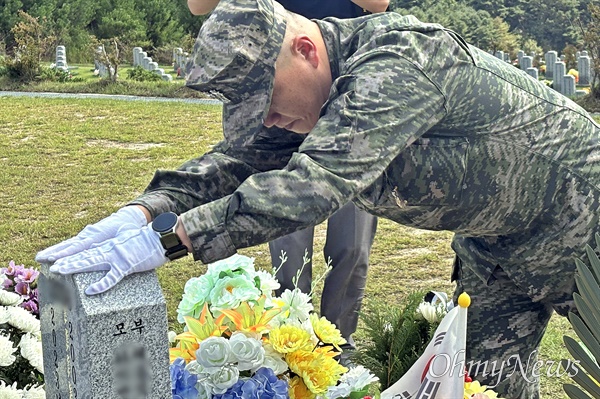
[472, 388]
[322, 373]
[287, 339]
[326, 331]
[327, 351]
[298, 389]
[318, 369]
[299, 360]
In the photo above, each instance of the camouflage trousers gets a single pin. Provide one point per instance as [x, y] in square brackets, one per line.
[505, 328]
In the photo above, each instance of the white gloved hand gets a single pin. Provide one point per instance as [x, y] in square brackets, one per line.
[107, 228]
[131, 251]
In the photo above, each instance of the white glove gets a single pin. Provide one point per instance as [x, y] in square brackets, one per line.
[107, 228]
[131, 251]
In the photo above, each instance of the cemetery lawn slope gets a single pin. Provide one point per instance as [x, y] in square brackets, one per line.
[66, 163]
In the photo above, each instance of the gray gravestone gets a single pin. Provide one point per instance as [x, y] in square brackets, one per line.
[97, 59]
[520, 55]
[500, 54]
[166, 77]
[177, 54]
[568, 85]
[550, 58]
[136, 56]
[526, 62]
[158, 71]
[580, 93]
[146, 62]
[584, 68]
[152, 66]
[507, 57]
[533, 72]
[54, 335]
[559, 72]
[109, 346]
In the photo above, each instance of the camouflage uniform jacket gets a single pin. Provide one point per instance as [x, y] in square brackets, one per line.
[420, 128]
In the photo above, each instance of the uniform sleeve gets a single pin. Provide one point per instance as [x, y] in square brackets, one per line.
[217, 173]
[375, 112]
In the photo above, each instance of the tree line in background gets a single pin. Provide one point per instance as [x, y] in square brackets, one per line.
[76, 24]
[30, 30]
[530, 25]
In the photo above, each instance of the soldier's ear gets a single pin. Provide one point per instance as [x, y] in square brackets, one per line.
[304, 47]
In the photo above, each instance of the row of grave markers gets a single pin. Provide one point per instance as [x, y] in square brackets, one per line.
[141, 59]
[556, 70]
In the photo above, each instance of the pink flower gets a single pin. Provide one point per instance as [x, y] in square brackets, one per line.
[22, 289]
[27, 276]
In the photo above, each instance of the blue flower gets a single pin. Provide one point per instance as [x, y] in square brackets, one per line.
[183, 383]
[263, 385]
[272, 387]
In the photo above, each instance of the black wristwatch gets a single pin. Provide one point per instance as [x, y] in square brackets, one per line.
[165, 225]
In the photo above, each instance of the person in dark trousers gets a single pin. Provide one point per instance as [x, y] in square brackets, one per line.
[350, 231]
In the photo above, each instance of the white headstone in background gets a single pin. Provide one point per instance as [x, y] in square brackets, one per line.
[568, 85]
[559, 72]
[526, 62]
[520, 55]
[550, 58]
[136, 56]
[584, 68]
[533, 72]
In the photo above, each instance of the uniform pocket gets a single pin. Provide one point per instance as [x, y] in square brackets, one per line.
[429, 172]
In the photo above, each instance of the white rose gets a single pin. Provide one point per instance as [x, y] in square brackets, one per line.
[248, 352]
[274, 360]
[214, 352]
[222, 378]
[31, 349]
[6, 351]
[204, 391]
[10, 298]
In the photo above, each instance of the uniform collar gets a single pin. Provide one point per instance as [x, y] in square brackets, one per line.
[331, 37]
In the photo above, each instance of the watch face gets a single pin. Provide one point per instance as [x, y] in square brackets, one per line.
[164, 222]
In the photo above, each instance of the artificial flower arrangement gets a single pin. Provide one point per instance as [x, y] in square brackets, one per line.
[21, 369]
[240, 341]
[398, 336]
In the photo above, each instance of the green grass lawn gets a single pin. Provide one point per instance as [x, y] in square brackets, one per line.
[67, 163]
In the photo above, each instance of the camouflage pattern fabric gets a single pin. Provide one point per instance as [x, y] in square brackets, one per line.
[504, 327]
[426, 130]
[234, 60]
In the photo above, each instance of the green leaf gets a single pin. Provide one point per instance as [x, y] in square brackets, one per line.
[594, 261]
[586, 281]
[574, 392]
[584, 333]
[588, 364]
[588, 315]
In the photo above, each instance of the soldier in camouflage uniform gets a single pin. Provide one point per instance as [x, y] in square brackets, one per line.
[410, 123]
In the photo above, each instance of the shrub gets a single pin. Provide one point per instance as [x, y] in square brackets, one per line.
[141, 75]
[31, 42]
[55, 75]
